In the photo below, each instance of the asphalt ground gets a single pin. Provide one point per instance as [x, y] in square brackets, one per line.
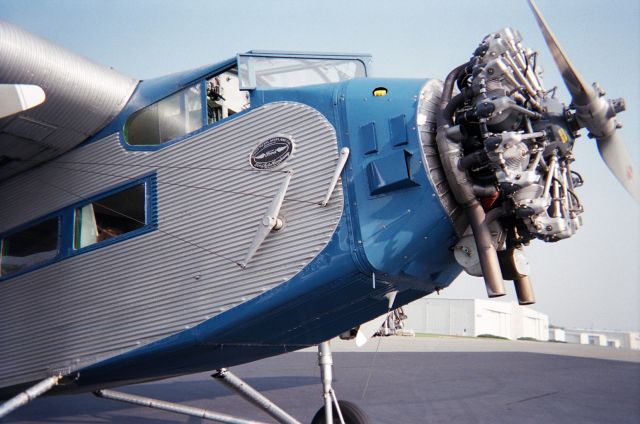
[399, 380]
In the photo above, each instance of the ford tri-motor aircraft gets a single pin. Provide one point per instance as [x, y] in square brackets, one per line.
[264, 204]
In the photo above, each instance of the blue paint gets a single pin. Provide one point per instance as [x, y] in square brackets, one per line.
[396, 228]
[390, 173]
[203, 98]
[368, 139]
[398, 131]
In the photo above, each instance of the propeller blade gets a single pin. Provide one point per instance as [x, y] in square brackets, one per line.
[616, 157]
[581, 93]
[594, 113]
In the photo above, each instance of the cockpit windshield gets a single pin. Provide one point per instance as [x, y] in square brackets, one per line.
[296, 70]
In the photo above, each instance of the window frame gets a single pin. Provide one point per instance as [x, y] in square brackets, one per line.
[202, 82]
[150, 218]
[201, 85]
[250, 83]
[22, 227]
[66, 224]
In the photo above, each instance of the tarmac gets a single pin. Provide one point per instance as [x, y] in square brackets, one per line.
[398, 380]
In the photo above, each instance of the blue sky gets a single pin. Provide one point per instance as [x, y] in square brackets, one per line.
[590, 280]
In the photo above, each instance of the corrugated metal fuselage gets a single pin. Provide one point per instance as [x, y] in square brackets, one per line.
[175, 299]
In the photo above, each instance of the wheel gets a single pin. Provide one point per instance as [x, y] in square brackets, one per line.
[351, 413]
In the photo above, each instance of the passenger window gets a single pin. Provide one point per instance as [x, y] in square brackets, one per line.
[110, 217]
[171, 117]
[224, 97]
[31, 246]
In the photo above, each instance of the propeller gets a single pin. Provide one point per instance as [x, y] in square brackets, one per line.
[594, 113]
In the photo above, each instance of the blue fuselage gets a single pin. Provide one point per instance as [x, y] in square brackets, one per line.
[394, 235]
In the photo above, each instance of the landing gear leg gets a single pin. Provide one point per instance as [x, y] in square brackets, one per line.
[334, 411]
[325, 361]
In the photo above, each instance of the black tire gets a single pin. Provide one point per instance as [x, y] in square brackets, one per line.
[351, 413]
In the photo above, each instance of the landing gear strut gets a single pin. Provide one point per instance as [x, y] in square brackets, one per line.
[334, 411]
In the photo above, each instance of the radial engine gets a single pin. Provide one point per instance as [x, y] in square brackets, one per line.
[506, 146]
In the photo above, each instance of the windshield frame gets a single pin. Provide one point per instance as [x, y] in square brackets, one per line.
[326, 67]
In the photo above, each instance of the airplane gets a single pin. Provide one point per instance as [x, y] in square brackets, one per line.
[266, 203]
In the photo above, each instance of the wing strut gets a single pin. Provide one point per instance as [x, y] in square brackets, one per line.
[270, 221]
[28, 395]
[342, 161]
[172, 407]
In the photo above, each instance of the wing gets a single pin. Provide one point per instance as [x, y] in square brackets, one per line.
[81, 98]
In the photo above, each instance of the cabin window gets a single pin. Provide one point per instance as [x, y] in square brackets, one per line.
[110, 217]
[224, 97]
[31, 246]
[172, 117]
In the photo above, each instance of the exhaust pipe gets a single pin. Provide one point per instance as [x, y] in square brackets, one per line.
[515, 266]
[524, 290]
[487, 253]
[462, 190]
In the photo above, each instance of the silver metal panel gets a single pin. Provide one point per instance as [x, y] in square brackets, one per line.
[81, 97]
[428, 109]
[210, 202]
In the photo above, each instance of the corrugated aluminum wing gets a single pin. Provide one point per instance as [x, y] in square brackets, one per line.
[81, 98]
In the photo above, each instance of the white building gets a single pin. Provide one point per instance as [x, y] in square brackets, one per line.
[475, 317]
[557, 335]
[617, 339]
